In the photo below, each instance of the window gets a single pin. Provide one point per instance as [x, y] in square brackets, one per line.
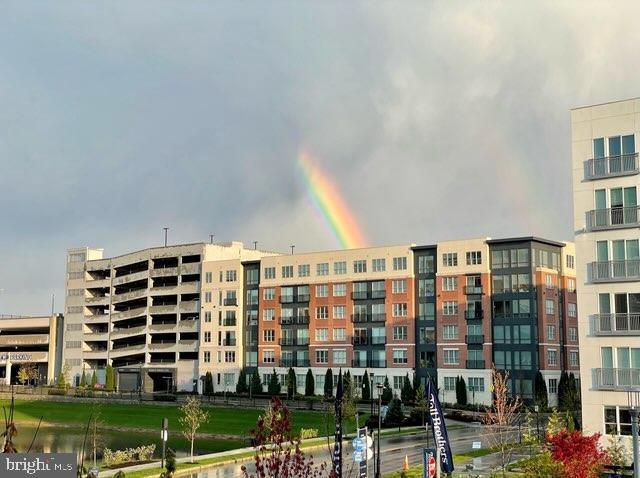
[339, 290]
[304, 270]
[549, 306]
[229, 357]
[450, 259]
[322, 335]
[450, 332]
[207, 357]
[572, 310]
[269, 335]
[400, 356]
[551, 332]
[450, 307]
[339, 357]
[268, 314]
[449, 384]
[207, 337]
[378, 265]
[617, 421]
[400, 309]
[571, 262]
[400, 332]
[399, 263]
[269, 293]
[322, 356]
[207, 297]
[398, 382]
[552, 357]
[269, 272]
[75, 275]
[268, 356]
[322, 269]
[322, 290]
[476, 384]
[339, 311]
[232, 276]
[340, 267]
[553, 385]
[339, 334]
[449, 283]
[287, 272]
[359, 266]
[573, 359]
[322, 312]
[426, 265]
[474, 258]
[207, 316]
[399, 286]
[80, 257]
[573, 334]
[426, 288]
[571, 285]
[451, 356]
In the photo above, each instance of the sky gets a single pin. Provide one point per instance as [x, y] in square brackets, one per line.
[436, 120]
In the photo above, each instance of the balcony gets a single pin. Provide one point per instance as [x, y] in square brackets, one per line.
[359, 340]
[378, 294]
[611, 166]
[302, 298]
[475, 364]
[612, 218]
[377, 363]
[359, 363]
[189, 306]
[287, 341]
[286, 299]
[163, 309]
[293, 362]
[473, 314]
[91, 337]
[164, 272]
[359, 295]
[188, 326]
[162, 327]
[193, 268]
[163, 289]
[615, 324]
[474, 340]
[161, 345]
[615, 271]
[136, 294]
[360, 318]
[233, 301]
[229, 322]
[472, 289]
[378, 317]
[126, 332]
[98, 318]
[618, 379]
[127, 314]
[229, 342]
[135, 276]
[102, 299]
[378, 340]
[126, 349]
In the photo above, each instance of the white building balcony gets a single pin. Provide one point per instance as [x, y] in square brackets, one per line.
[615, 271]
[611, 167]
[615, 324]
[612, 218]
[616, 379]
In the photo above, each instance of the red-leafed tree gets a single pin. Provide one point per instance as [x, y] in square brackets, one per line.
[278, 453]
[580, 456]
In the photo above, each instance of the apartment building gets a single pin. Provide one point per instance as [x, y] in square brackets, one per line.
[605, 183]
[33, 340]
[162, 317]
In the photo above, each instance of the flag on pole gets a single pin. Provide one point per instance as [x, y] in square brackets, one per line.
[337, 447]
[439, 429]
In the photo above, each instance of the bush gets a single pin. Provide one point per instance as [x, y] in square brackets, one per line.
[130, 455]
[308, 433]
[57, 391]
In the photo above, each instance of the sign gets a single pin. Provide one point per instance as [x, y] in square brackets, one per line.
[93, 471]
[429, 463]
[358, 444]
[337, 447]
[439, 429]
[38, 465]
[366, 453]
[476, 445]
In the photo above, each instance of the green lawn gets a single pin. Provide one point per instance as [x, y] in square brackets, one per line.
[223, 421]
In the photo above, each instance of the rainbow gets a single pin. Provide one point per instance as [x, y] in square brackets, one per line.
[330, 205]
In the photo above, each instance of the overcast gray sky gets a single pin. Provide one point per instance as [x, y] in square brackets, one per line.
[438, 120]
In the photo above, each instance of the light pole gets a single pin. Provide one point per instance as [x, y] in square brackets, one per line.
[164, 436]
[379, 387]
[537, 410]
[633, 398]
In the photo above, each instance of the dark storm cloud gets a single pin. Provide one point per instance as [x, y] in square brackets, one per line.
[438, 120]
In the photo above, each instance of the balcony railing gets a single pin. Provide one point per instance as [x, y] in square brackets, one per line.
[359, 295]
[377, 363]
[474, 339]
[229, 342]
[287, 341]
[295, 319]
[615, 271]
[230, 301]
[472, 289]
[472, 314]
[377, 340]
[291, 341]
[229, 322]
[612, 218]
[302, 298]
[360, 340]
[616, 324]
[359, 363]
[378, 294]
[615, 378]
[475, 364]
[611, 166]
[359, 318]
[286, 299]
[378, 317]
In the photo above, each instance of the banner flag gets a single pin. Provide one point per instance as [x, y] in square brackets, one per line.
[337, 447]
[439, 428]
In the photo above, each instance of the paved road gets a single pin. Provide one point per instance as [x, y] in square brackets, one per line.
[393, 451]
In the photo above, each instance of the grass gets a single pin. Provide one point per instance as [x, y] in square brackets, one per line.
[224, 421]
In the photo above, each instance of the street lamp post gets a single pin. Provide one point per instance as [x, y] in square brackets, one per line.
[164, 436]
[633, 398]
[379, 387]
[537, 410]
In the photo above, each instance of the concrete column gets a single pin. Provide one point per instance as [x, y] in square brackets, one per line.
[7, 380]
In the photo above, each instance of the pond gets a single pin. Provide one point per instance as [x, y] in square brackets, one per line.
[51, 439]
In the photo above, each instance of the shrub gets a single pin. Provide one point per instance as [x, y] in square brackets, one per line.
[56, 391]
[308, 433]
[129, 455]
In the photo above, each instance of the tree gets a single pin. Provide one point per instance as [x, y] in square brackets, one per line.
[191, 419]
[241, 386]
[407, 390]
[309, 385]
[109, 382]
[291, 383]
[277, 449]
[387, 393]
[27, 372]
[502, 417]
[328, 383]
[618, 454]
[256, 383]
[94, 379]
[83, 379]
[395, 414]
[540, 391]
[349, 407]
[169, 464]
[416, 385]
[274, 386]
[61, 381]
[366, 387]
[421, 406]
[461, 391]
[555, 424]
[580, 456]
[207, 388]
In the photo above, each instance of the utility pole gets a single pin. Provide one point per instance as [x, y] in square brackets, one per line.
[255, 245]
[166, 229]
[211, 236]
[292, 248]
[633, 397]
